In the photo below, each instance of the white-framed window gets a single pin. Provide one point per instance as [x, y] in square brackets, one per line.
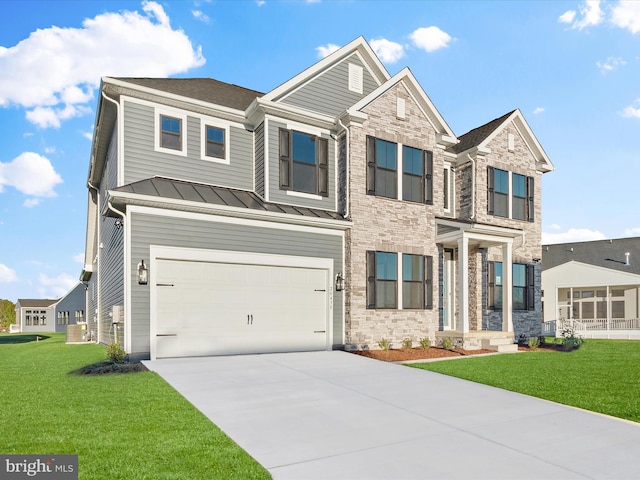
[214, 141]
[447, 189]
[170, 131]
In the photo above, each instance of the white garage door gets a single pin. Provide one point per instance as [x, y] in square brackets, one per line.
[212, 308]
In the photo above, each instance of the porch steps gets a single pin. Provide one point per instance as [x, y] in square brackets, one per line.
[502, 345]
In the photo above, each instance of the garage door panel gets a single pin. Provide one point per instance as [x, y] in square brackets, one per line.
[225, 308]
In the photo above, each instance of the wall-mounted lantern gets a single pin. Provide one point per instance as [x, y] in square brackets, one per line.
[339, 282]
[143, 273]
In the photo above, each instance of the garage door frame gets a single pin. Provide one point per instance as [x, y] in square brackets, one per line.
[225, 256]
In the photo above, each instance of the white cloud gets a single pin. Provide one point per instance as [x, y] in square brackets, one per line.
[200, 15]
[326, 50]
[611, 63]
[31, 202]
[627, 15]
[115, 44]
[88, 135]
[79, 258]
[49, 150]
[567, 17]
[572, 235]
[430, 39]
[633, 110]
[590, 15]
[633, 232]
[538, 110]
[260, 2]
[7, 275]
[31, 174]
[56, 286]
[388, 51]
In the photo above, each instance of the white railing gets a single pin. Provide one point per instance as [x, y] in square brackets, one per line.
[592, 325]
[612, 323]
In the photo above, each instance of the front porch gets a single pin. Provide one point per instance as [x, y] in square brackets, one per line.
[464, 310]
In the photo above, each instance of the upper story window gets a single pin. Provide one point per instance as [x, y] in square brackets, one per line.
[510, 195]
[523, 286]
[304, 163]
[170, 128]
[214, 141]
[382, 171]
[171, 132]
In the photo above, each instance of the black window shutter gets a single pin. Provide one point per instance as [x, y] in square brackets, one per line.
[371, 166]
[490, 190]
[531, 287]
[371, 279]
[285, 159]
[322, 160]
[491, 283]
[530, 199]
[428, 282]
[428, 177]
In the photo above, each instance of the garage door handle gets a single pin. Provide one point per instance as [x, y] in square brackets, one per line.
[166, 334]
[319, 290]
[164, 285]
[319, 331]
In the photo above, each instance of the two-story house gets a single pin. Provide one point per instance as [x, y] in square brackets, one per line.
[332, 211]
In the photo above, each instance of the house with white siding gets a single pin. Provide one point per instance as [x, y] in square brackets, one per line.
[47, 315]
[331, 212]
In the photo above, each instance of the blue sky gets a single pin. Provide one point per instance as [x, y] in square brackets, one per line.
[573, 69]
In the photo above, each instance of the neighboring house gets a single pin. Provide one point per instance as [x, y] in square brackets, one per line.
[596, 283]
[40, 315]
[335, 210]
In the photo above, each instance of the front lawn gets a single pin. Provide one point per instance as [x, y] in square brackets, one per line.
[122, 426]
[602, 375]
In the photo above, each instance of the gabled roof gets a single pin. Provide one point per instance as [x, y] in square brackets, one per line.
[480, 137]
[602, 253]
[185, 195]
[35, 302]
[422, 99]
[359, 45]
[205, 89]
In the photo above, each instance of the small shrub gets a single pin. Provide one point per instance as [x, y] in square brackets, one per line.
[522, 340]
[542, 340]
[447, 343]
[115, 353]
[425, 343]
[534, 343]
[570, 339]
[384, 344]
[407, 343]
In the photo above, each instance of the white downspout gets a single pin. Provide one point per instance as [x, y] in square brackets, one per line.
[473, 187]
[346, 180]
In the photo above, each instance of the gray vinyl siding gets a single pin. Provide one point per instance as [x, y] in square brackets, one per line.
[111, 255]
[147, 230]
[329, 92]
[142, 161]
[259, 155]
[73, 301]
[281, 196]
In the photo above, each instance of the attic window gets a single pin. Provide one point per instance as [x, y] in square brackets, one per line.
[355, 78]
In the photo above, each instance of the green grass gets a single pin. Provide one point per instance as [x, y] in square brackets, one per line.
[122, 426]
[601, 376]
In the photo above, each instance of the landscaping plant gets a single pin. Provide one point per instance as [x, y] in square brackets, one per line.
[384, 344]
[447, 343]
[407, 343]
[425, 343]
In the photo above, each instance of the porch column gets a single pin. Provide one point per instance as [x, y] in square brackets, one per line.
[507, 287]
[463, 284]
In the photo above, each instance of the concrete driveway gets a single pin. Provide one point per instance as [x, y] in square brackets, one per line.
[334, 415]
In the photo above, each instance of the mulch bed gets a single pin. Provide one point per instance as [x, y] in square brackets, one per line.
[401, 355]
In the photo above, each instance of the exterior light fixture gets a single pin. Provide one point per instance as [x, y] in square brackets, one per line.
[339, 282]
[143, 273]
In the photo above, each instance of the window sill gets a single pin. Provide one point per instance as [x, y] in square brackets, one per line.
[310, 196]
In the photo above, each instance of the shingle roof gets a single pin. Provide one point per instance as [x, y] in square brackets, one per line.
[196, 192]
[205, 89]
[36, 302]
[475, 137]
[602, 253]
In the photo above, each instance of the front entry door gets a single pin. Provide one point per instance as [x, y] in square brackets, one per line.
[448, 291]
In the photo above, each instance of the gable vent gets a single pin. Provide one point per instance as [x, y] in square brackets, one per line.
[355, 78]
[400, 108]
[512, 142]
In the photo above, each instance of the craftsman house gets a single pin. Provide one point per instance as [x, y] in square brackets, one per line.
[337, 209]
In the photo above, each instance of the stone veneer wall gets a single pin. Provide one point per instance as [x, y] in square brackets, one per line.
[390, 225]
